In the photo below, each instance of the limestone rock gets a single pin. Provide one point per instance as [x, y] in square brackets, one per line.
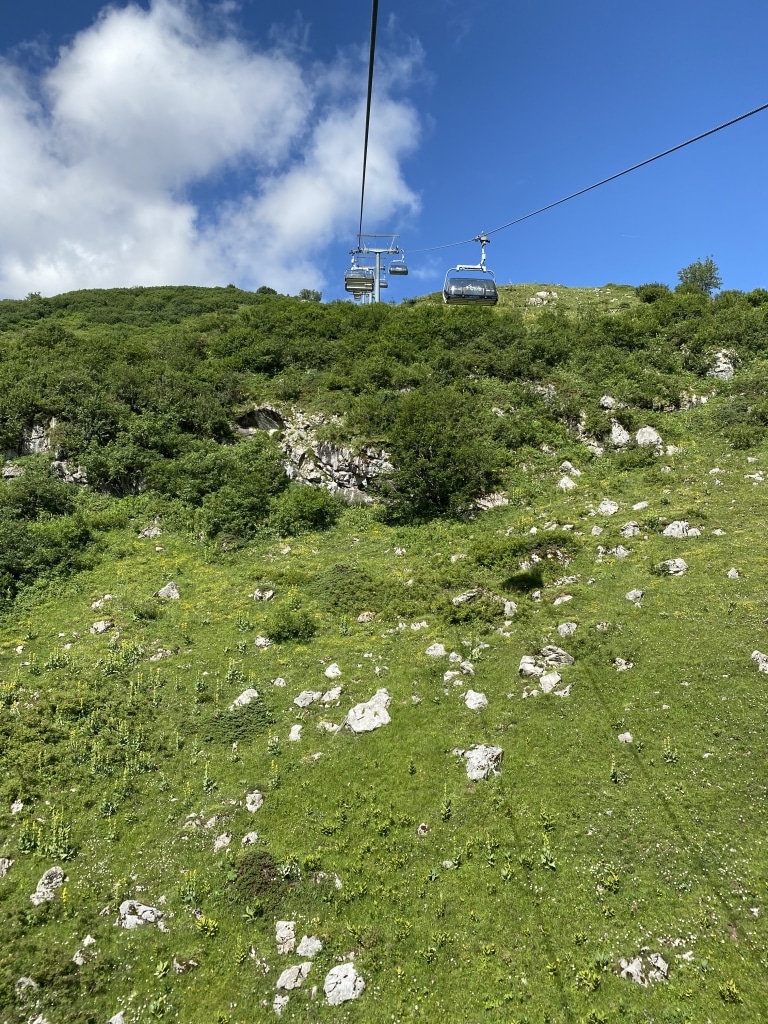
[332, 695]
[254, 801]
[309, 946]
[625, 737]
[566, 483]
[436, 651]
[279, 1003]
[621, 665]
[607, 402]
[569, 468]
[285, 936]
[635, 595]
[482, 761]
[5, 866]
[608, 507]
[333, 671]
[475, 701]
[370, 715]
[468, 595]
[550, 681]
[52, 880]
[244, 699]
[222, 842]
[13, 472]
[510, 607]
[733, 574]
[619, 551]
[679, 528]
[262, 595]
[119, 1018]
[295, 734]
[761, 660]
[567, 628]
[151, 532]
[102, 626]
[307, 697]
[249, 839]
[170, 592]
[647, 437]
[292, 977]
[556, 656]
[722, 366]
[630, 529]
[673, 567]
[366, 616]
[100, 602]
[529, 668]
[343, 983]
[620, 437]
[133, 914]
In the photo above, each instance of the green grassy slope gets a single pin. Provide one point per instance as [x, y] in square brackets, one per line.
[526, 889]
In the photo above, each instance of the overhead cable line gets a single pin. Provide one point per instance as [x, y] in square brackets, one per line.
[374, 19]
[597, 184]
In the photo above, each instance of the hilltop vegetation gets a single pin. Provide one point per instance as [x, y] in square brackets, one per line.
[509, 899]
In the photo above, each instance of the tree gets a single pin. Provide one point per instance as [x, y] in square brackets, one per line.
[703, 274]
[310, 295]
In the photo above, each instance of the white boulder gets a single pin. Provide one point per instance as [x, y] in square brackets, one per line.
[483, 761]
[342, 983]
[370, 715]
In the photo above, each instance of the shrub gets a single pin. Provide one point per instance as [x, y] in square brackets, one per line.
[301, 509]
[291, 624]
[652, 292]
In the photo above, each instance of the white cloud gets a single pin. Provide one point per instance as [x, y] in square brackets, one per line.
[99, 174]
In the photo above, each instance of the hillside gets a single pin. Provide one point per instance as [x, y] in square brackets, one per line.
[494, 562]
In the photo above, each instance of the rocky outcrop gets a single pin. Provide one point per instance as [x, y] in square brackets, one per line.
[308, 460]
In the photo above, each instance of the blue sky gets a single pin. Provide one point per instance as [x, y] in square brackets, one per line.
[211, 143]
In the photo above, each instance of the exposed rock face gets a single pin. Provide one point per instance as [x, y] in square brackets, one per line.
[673, 567]
[13, 472]
[647, 437]
[102, 626]
[37, 438]
[620, 437]
[170, 592]
[266, 417]
[133, 914]
[722, 365]
[342, 983]
[370, 715]
[642, 970]
[285, 936]
[65, 472]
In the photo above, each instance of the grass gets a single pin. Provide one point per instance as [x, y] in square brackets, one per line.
[527, 888]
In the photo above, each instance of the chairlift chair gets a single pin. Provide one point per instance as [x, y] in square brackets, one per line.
[398, 267]
[359, 279]
[480, 290]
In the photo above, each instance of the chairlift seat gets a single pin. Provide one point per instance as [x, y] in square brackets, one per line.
[470, 291]
[359, 279]
[398, 268]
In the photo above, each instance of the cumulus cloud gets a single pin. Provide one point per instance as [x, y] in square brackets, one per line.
[146, 110]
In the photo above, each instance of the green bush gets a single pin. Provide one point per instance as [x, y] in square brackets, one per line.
[291, 624]
[652, 292]
[300, 509]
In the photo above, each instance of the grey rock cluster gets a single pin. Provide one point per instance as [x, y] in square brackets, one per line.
[46, 888]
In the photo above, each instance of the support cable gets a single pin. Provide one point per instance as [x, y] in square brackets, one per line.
[374, 19]
[613, 177]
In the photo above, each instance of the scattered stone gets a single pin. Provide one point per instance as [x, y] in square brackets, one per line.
[292, 977]
[13, 472]
[342, 983]
[647, 437]
[630, 529]
[436, 651]
[366, 616]
[422, 830]
[328, 727]
[761, 660]
[733, 574]
[370, 715]
[528, 667]
[119, 1018]
[475, 701]
[151, 532]
[285, 936]
[625, 737]
[569, 468]
[639, 506]
[416, 626]
[567, 628]
[182, 966]
[307, 697]
[556, 656]
[161, 654]
[263, 642]
[309, 946]
[170, 592]
[635, 595]
[5, 866]
[673, 567]
[608, 507]
[99, 604]
[565, 483]
[642, 973]
[620, 437]
[680, 528]
[133, 914]
[262, 595]
[17, 807]
[607, 402]
[333, 671]
[332, 695]
[279, 1003]
[222, 842]
[295, 734]
[482, 761]
[510, 607]
[52, 880]
[249, 839]
[254, 801]
[619, 551]
[244, 699]
[468, 595]
[102, 626]
[622, 666]
[549, 681]
[596, 531]
[722, 366]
